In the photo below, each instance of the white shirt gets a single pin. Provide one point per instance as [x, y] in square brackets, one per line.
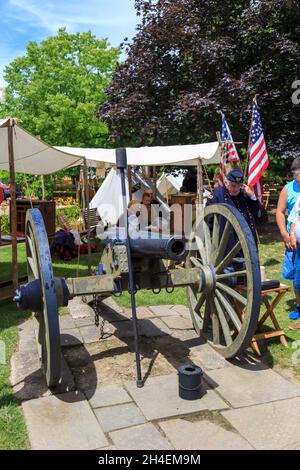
[294, 216]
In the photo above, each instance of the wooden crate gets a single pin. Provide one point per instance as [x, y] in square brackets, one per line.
[47, 209]
[178, 220]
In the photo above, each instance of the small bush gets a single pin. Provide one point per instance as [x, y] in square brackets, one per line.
[71, 212]
[4, 224]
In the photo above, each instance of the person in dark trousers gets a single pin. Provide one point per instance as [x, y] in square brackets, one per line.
[237, 194]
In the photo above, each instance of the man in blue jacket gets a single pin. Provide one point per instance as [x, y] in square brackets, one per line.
[237, 194]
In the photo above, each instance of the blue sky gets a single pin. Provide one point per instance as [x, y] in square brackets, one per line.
[22, 21]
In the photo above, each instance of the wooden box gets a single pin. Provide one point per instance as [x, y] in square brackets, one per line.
[181, 221]
[47, 209]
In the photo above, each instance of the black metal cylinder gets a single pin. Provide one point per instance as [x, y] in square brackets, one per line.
[190, 382]
[121, 158]
[159, 246]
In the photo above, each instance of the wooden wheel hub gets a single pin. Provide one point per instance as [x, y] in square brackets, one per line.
[208, 278]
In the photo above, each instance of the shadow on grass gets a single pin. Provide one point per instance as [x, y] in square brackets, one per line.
[271, 262]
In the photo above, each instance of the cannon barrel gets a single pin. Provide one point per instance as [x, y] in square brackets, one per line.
[158, 245]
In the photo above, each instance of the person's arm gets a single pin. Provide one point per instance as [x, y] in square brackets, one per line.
[280, 218]
[293, 240]
[213, 198]
[252, 201]
[292, 218]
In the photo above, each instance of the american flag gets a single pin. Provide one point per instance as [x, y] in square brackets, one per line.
[259, 160]
[231, 151]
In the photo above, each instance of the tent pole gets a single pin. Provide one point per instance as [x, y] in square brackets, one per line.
[13, 205]
[87, 207]
[129, 182]
[154, 179]
[200, 181]
[43, 187]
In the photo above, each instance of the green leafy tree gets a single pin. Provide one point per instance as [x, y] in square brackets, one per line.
[191, 59]
[55, 88]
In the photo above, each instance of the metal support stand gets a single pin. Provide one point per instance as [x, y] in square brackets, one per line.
[121, 161]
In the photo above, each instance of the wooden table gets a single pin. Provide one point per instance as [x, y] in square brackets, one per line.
[269, 313]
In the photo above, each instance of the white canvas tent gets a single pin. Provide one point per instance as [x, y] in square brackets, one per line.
[22, 152]
[31, 155]
[108, 199]
[169, 184]
[174, 155]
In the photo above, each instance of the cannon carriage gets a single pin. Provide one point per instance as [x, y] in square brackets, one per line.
[217, 258]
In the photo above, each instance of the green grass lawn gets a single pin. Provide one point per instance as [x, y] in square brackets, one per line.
[12, 428]
[13, 433]
[61, 268]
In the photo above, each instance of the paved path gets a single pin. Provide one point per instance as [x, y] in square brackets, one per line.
[97, 405]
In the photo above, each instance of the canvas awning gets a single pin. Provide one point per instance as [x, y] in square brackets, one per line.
[178, 155]
[33, 156]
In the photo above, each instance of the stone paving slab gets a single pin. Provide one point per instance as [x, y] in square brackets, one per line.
[209, 358]
[63, 422]
[182, 310]
[111, 316]
[71, 337]
[142, 313]
[79, 309]
[90, 334]
[66, 322]
[108, 448]
[163, 310]
[84, 321]
[159, 398]
[112, 304]
[124, 329]
[27, 378]
[186, 335]
[202, 435]
[119, 416]
[143, 437]
[153, 327]
[107, 396]
[245, 387]
[27, 348]
[269, 426]
[178, 323]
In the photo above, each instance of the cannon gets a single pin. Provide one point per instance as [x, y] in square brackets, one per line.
[222, 280]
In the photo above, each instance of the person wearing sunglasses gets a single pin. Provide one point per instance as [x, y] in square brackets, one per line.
[237, 194]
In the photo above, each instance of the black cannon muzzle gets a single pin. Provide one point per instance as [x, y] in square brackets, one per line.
[158, 245]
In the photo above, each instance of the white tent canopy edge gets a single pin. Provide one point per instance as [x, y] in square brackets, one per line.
[174, 155]
[33, 156]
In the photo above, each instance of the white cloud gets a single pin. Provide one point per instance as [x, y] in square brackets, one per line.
[22, 21]
[74, 15]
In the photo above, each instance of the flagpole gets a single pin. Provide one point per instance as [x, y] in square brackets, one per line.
[249, 140]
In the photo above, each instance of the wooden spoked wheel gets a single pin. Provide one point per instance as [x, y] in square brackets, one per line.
[39, 267]
[226, 309]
